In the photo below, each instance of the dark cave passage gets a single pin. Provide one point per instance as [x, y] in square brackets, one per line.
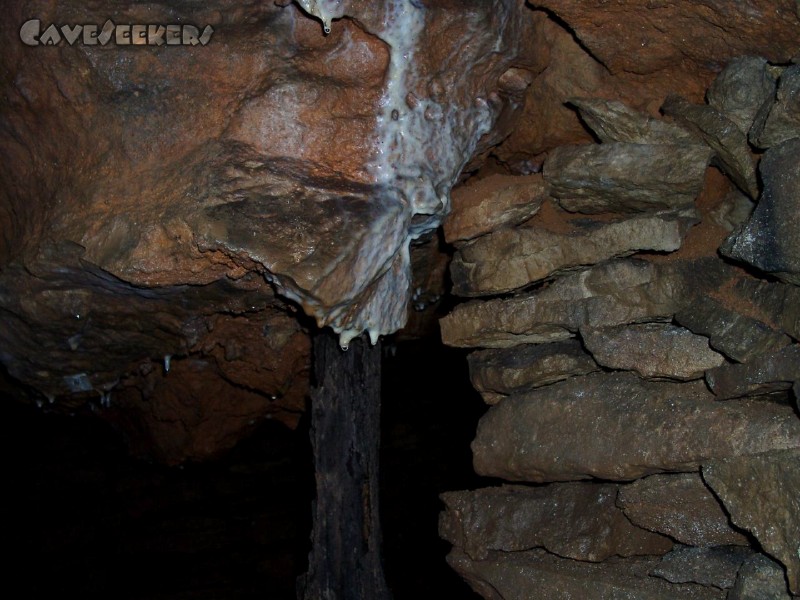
[83, 518]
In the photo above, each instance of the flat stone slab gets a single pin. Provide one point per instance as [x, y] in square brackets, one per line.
[762, 495]
[779, 120]
[653, 350]
[681, 506]
[620, 177]
[510, 259]
[765, 373]
[613, 121]
[614, 293]
[498, 372]
[574, 520]
[770, 241]
[760, 578]
[731, 150]
[776, 303]
[493, 203]
[536, 574]
[737, 336]
[716, 566]
[619, 427]
[740, 90]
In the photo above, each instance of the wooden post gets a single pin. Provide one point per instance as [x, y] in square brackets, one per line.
[345, 557]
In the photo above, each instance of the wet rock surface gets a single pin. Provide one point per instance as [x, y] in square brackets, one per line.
[168, 214]
[149, 196]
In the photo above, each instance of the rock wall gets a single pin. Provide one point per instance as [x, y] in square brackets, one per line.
[636, 316]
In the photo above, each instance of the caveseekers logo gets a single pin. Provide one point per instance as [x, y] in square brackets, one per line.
[31, 33]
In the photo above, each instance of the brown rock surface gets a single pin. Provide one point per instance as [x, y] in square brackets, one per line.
[633, 36]
[760, 578]
[619, 427]
[738, 336]
[637, 53]
[656, 350]
[493, 203]
[762, 494]
[510, 259]
[537, 574]
[764, 373]
[573, 520]
[617, 177]
[496, 373]
[713, 566]
[740, 90]
[731, 151]
[769, 240]
[150, 188]
[779, 121]
[775, 303]
[612, 121]
[680, 506]
[614, 293]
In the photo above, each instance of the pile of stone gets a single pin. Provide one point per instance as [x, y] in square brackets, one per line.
[635, 318]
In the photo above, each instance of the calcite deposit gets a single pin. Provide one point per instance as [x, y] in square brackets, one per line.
[274, 166]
